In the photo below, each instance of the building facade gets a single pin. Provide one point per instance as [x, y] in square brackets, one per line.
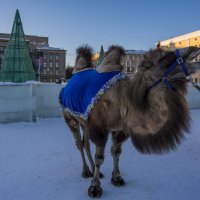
[3, 44]
[49, 62]
[196, 58]
[182, 41]
[131, 60]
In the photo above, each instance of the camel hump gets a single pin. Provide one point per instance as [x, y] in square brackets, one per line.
[83, 58]
[112, 59]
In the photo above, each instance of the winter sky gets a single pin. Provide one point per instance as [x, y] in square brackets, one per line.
[130, 23]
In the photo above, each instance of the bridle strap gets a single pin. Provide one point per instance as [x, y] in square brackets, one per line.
[179, 61]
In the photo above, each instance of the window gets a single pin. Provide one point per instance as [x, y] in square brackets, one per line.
[44, 72]
[50, 57]
[128, 68]
[57, 57]
[1, 48]
[44, 64]
[50, 73]
[45, 56]
[57, 65]
[128, 63]
[57, 72]
[50, 65]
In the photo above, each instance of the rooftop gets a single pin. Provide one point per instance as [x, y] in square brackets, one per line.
[180, 38]
[49, 48]
[130, 51]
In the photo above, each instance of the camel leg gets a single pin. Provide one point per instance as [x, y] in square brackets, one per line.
[86, 143]
[117, 138]
[75, 129]
[95, 189]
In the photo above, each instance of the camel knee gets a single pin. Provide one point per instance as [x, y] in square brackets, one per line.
[99, 159]
[116, 150]
[73, 124]
[79, 144]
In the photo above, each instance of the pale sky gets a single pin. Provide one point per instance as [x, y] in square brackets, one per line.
[129, 23]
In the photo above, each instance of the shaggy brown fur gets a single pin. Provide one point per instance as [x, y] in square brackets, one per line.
[156, 118]
[83, 58]
[112, 58]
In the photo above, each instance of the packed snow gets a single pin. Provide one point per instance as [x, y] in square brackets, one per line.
[39, 161]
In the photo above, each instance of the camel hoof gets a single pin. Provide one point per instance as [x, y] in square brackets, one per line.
[86, 173]
[118, 181]
[95, 191]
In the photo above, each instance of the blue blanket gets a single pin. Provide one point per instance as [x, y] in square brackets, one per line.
[85, 88]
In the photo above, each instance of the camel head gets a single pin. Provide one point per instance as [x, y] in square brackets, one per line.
[157, 62]
[156, 70]
[159, 96]
[83, 58]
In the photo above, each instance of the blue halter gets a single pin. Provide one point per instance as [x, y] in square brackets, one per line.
[179, 61]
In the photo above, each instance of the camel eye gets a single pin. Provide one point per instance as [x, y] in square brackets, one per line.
[148, 65]
[169, 58]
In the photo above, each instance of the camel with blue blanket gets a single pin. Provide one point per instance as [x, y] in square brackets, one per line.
[150, 108]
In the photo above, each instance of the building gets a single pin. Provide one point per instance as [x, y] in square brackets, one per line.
[196, 58]
[49, 62]
[182, 41]
[131, 60]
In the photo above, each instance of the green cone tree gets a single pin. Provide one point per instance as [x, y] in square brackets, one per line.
[101, 55]
[17, 64]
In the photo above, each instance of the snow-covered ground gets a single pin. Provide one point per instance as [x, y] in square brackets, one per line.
[39, 161]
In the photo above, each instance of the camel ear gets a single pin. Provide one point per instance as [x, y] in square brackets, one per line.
[184, 51]
[188, 52]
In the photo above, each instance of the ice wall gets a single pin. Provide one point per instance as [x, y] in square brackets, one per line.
[27, 102]
[30, 101]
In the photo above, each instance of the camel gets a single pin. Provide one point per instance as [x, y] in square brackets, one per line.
[150, 108]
